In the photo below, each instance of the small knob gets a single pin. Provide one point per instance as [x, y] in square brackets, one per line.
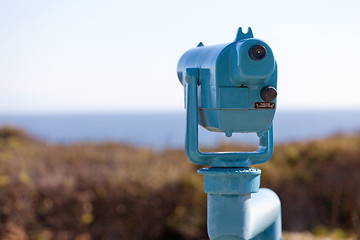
[268, 93]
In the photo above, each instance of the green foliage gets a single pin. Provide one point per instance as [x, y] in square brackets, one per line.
[115, 191]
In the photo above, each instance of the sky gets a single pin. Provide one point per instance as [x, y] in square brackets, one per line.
[121, 56]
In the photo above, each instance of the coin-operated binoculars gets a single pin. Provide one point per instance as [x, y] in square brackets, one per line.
[231, 88]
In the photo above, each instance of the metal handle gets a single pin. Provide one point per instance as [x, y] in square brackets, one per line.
[217, 159]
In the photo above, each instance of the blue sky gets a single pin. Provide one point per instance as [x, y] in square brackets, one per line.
[114, 56]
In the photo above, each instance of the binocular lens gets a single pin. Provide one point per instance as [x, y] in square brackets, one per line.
[257, 52]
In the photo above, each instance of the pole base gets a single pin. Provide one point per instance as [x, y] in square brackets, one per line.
[231, 180]
[237, 209]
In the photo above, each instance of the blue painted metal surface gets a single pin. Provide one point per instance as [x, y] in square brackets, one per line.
[237, 208]
[223, 93]
[218, 159]
[231, 180]
[244, 216]
[232, 88]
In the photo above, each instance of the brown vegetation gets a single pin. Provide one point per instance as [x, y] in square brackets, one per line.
[112, 191]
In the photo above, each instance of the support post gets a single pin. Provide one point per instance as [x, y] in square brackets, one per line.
[237, 208]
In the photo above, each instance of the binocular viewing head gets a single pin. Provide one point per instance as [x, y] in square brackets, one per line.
[231, 87]
[236, 84]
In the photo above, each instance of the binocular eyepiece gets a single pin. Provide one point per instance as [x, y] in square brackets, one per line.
[257, 52]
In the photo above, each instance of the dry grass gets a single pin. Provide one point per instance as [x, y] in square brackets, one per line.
[310, 236]
[114, 191]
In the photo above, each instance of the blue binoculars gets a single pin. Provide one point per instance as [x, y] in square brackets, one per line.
[230, 88]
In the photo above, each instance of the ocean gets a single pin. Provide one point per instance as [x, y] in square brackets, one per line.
[167, 130]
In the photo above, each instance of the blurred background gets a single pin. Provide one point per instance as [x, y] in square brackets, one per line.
[91, 107]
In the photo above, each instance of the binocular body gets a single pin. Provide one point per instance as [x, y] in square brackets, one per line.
[236, 84]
